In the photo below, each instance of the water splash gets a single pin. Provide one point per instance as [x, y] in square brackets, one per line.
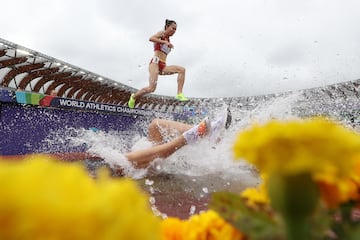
[187, 178]
[203, 158]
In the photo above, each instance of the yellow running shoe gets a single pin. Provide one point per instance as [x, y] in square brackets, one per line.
[131, 102]
[181, 97]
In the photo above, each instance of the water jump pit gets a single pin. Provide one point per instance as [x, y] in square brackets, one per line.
[179, 186]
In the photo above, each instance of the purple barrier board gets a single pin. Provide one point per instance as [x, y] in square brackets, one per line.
[27, 119]
[6, 95]
[24, 127]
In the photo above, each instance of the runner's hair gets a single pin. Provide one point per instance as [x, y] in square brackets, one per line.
[169, 22]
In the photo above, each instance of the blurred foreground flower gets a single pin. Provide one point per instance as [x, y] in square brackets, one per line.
[205, 226]
[257, 198]
[316, 146]
[43, 199]
[297, 157]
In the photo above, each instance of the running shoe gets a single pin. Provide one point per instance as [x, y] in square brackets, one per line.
[218, 126]
[181, 97]
[131, 102]
[195, 133]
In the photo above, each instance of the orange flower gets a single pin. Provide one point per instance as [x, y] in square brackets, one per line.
[205, 226]
[335, 193]
[172, 229]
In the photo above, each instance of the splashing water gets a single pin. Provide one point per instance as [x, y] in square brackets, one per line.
[194, 170]
[203, 158]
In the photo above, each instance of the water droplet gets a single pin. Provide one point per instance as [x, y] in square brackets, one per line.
[192, 210]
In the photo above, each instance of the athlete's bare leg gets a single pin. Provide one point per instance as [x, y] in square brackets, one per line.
[143, 158]
[168, 70]
[159, 128]
[153, 78]
[154, 75]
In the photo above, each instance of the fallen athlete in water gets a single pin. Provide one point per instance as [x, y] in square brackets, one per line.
[187, 134]
[159, 130]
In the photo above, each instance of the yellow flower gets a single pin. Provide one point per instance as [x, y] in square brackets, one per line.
[355, 175]
[210, 226]
[295, 147]
[205, 226]
[44, 199]
[256, 197]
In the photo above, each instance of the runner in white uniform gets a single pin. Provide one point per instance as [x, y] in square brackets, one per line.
[188, 135]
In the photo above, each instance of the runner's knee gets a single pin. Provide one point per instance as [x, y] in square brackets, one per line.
[154, 131]
[182, 70]
[152, 88]
[153, 125]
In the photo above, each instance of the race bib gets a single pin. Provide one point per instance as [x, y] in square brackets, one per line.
[155, 59]
[165, 48]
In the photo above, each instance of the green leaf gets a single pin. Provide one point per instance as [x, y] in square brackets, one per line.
[256, 224]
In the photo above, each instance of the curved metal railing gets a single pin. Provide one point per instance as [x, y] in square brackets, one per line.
[28, 70]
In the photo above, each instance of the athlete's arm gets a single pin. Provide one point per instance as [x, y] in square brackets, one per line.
[157, 38]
